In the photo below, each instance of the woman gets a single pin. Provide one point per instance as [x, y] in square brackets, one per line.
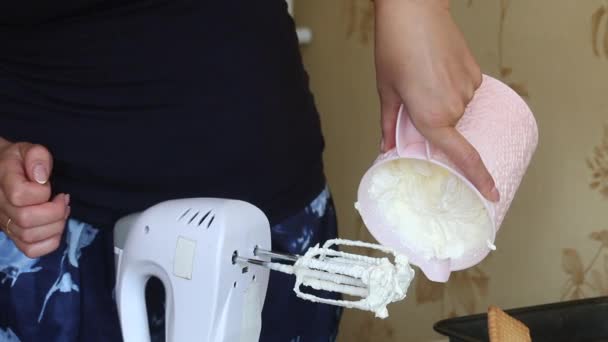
[110, 106]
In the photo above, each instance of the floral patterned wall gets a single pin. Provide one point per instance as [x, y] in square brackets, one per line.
[553, 244]
[590, 278]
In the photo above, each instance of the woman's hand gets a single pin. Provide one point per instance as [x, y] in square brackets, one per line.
[27, 214]
[423, 61]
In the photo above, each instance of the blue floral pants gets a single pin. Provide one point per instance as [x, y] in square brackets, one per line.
[68, 294]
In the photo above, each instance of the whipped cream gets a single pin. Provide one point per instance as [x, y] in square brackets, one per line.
[433, 211]
[378, 281]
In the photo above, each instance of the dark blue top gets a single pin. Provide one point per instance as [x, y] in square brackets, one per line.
[143, 101]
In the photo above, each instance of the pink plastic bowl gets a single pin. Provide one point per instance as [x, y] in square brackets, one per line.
[501, 127]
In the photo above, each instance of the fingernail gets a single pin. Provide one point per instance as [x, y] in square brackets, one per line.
[382, 145]
[67, 199]
[494, 195]
[41, 174]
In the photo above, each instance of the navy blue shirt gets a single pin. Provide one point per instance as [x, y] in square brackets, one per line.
[144, 101]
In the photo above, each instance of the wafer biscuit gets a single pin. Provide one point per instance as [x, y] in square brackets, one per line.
[504, 328]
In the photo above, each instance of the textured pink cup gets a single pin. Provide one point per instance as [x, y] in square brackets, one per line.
[501, 127]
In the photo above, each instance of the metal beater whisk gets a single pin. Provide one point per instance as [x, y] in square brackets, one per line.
[377, 281]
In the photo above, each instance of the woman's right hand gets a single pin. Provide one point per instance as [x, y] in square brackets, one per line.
[28, 215]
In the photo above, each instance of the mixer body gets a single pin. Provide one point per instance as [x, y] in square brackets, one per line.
[189, 245]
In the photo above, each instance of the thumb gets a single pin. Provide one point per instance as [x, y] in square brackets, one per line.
[464, 155]
[389, 107]
[38, 162]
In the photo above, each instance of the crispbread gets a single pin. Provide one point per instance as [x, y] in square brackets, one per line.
[504, 328]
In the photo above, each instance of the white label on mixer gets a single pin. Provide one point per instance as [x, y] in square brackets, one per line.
[184, 257]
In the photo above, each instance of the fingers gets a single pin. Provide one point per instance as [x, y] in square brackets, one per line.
[41, 214]
[38, 162]
[39, 249]
[37, 230]
[19, 191]
[464, 155]
[389, 106]
[477, 77]
[34, 223]
[21, 166]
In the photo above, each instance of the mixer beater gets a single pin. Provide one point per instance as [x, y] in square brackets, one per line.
[377, 281]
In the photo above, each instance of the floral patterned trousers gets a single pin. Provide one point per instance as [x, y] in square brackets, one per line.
[68, 295]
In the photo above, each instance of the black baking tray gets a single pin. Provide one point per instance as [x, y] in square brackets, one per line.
[584, 320]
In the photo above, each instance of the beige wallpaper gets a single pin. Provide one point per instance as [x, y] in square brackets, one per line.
[554, 242]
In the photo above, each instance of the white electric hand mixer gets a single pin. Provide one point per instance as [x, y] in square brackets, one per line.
[201, 249]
